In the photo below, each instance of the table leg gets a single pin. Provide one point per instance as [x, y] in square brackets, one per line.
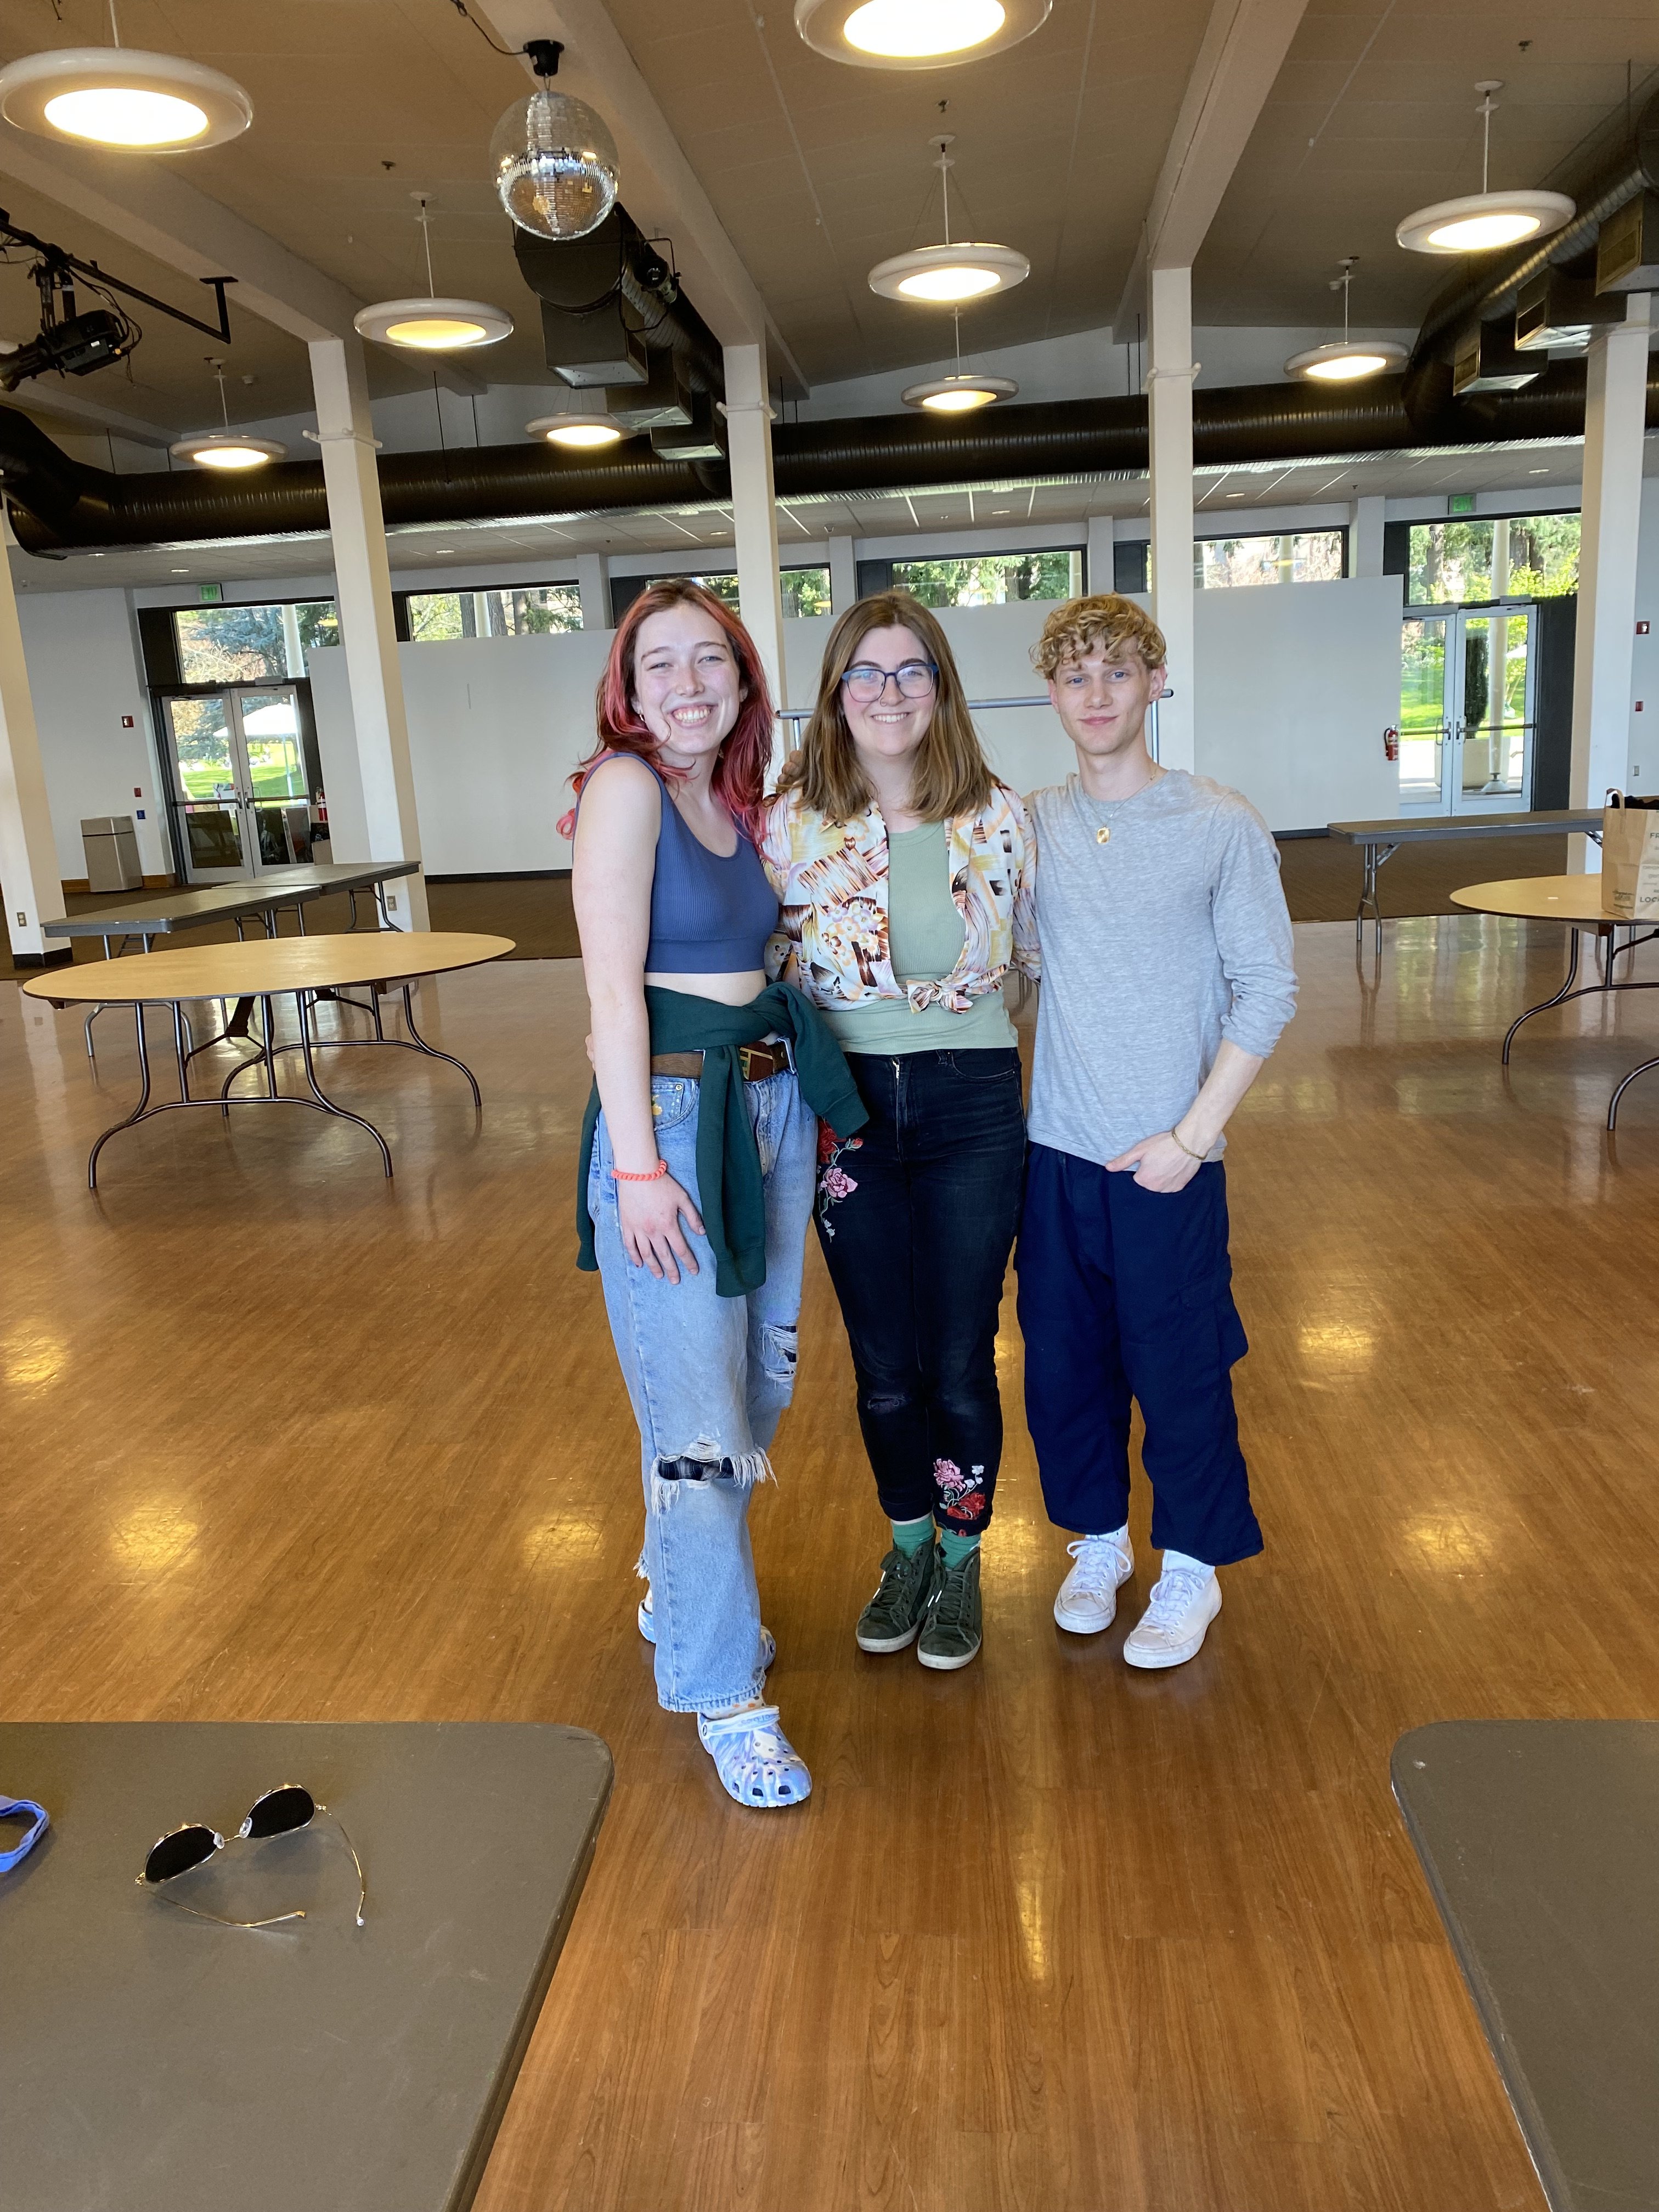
[1565, 991]
[1370, 906]
[1613, 1104]
[138, 1112]
[322, 1098]
[431, 1050]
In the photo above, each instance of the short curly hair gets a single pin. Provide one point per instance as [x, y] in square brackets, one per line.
[1105, 619]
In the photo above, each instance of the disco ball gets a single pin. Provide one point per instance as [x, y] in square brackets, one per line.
[555, 165]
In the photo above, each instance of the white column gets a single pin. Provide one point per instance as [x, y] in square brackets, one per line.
[1101, 564]
[1365, 535]
[1169, 392]
[29, 872]
[748, 413]
[593, 582]
[1615, 406]
[843, 575]
[362, 586]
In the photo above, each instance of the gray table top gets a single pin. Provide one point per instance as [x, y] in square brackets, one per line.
[1538, 1838]
[163, 912]
[1418, 828]
[155, 2063]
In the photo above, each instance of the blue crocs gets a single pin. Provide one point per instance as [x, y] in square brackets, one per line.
[648, 1630]
[756, 1763]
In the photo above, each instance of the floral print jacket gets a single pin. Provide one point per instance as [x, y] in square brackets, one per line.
[831, 879]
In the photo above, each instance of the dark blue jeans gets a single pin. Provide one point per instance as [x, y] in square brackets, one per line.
[916, 1215]
[1127, 1294]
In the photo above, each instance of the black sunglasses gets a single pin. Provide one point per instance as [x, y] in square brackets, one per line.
[281, 1812]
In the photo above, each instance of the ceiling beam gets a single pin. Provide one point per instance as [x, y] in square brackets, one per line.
[1245, 43]
[660, 188]
[146, 203]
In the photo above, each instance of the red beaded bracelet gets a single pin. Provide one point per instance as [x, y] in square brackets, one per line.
[623, 1174]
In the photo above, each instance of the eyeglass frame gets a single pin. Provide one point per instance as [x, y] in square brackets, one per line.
[245, 1833]
[890, 676]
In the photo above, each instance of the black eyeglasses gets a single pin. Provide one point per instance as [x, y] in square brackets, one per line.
[865, 683]
[281, 1812]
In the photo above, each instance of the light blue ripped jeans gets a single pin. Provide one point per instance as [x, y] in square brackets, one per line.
[708, 1377]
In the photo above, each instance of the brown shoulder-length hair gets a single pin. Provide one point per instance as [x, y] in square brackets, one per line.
[951, 775]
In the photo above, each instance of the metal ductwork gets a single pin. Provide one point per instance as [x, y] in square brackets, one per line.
[1488, 287]
[58, 505]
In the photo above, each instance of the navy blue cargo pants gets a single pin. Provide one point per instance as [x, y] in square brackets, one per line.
[1126, 1294]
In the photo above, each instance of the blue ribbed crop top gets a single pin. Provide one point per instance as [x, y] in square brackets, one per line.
[709, 916]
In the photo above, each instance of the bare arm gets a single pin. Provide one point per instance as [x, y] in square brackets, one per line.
[1169, 1162]
[615, 859]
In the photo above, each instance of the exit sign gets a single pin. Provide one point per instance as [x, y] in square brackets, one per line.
[1458, 502]
[211, 595]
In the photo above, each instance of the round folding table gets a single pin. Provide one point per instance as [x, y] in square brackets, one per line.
[303, 969]
[1575, 900]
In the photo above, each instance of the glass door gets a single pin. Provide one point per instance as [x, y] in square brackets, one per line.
[239, 777]
[1467, 693]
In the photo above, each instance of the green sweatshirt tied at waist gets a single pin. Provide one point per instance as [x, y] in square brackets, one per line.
[731, 1195]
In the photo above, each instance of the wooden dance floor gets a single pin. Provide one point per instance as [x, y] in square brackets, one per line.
[283, 1440]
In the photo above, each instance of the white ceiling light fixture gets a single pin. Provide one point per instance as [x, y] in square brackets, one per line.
[1485, 220]
[432, 324]
[116, 96]
[961, 394]
[912, 35]
[227, 450]
[554, 163]
[946, 275]
[1345, 360]
[577, 433]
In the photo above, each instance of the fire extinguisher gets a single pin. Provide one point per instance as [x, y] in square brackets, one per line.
[1391, 744]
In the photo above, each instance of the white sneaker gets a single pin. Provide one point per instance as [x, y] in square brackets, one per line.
[1171, 1630]
[1088, 1597]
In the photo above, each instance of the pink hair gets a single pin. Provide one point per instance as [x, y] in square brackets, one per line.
[739, 779]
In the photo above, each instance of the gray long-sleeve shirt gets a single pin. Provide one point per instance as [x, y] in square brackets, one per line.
[1158, 941]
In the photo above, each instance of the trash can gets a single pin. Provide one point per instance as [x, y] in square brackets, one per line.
[111, 849]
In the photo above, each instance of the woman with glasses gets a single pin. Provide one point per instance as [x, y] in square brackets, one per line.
[904, 869]
[695, 1174]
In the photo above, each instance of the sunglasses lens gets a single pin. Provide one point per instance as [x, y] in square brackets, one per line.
[279, 1812]
[177, 1854]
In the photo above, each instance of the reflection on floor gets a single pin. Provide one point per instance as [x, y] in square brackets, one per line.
[282, 1440]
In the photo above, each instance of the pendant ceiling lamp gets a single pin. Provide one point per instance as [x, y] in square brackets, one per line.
[553, 159]
[432, 324]
[1345, 360]
[946, 275]
[227, 450]
[116, 96]
[911, 34]
[960, 394]
[578, 433]
[1483, 220]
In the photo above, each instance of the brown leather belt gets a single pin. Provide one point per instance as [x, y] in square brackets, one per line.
[758, 1061]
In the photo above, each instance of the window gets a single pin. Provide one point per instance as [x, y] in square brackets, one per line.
[1452, 562]
[990, 580]
[252, 645]
[516, 610]
[1301, 556]
[804, 590]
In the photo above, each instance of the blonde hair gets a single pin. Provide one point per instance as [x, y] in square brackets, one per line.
[950, 775]
[1106, 619]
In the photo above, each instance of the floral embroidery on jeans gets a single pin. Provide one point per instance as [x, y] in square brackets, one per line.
[961, 1496]
[834, 1181]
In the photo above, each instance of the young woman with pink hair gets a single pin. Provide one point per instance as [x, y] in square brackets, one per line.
[697, 1155]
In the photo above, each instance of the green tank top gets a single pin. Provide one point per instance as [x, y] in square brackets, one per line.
[925, 935]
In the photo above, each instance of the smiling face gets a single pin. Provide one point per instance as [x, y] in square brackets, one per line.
[687, 685]
[1102, 701]
[893, 724]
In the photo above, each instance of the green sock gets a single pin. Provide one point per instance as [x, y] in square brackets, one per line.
[911, 1535]
[958, 1549]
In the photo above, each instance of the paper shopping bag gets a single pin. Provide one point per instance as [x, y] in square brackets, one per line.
[1630, 857]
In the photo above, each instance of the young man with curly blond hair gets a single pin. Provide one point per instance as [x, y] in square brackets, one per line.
[1166, 982]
